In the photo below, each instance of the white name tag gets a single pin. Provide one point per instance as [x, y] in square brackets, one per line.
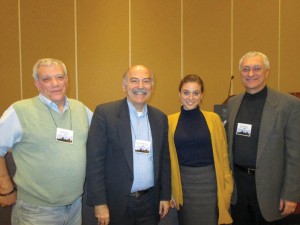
[64, 135]
[143, 147]
[243, 129]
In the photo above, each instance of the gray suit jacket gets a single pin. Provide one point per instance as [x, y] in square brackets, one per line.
[110, 157]
[278, 154]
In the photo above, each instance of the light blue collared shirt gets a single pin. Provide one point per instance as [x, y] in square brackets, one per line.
[11, 129]
[143, 168]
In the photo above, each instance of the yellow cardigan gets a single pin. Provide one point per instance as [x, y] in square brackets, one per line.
[221, 162]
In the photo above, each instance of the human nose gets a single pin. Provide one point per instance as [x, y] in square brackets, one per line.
[54, 81]
[141, 84]
[190, 96]
[250, 74]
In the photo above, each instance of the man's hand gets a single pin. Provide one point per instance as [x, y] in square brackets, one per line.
[164, 208]
[287, 207]
[102, 214]
[6, 186]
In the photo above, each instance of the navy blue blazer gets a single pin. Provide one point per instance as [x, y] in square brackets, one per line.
[110, 157]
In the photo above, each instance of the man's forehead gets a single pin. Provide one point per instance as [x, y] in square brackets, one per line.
[257, 59]
[139, 73]
[47, 73]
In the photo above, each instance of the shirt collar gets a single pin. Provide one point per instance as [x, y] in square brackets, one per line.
[133, 111]
[52, 105]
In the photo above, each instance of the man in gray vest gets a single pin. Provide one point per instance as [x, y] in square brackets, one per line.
[47, 135]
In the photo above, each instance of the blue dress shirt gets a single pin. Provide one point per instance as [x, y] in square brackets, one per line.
[143, 168]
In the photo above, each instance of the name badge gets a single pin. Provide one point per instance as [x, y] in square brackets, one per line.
[64, 135]
[143, 147]
[243, 129]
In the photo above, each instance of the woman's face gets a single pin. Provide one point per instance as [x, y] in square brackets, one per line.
[190, 95]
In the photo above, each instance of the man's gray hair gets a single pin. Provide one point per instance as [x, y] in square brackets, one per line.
[254, 53]
[47, 62]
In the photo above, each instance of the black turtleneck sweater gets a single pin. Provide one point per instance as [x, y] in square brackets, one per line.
[192, 139]
[250, 112]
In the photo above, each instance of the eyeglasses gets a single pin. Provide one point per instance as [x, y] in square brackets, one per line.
[255, 69]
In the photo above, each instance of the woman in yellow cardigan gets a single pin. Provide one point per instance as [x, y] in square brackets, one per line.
[202, 182]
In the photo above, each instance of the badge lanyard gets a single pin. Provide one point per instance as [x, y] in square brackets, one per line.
[142, 146]
[63, 135]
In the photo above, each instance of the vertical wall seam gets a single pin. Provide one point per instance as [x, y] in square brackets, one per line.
[279, 43]
[129, 30]
[20, 50]
[181, 39]
[231, 49]
[75, 49]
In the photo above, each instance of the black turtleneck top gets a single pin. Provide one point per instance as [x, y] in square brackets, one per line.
[192, 139]
[250, 112]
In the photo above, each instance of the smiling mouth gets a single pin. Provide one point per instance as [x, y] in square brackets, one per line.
[190, 104]
[57, 91]
[252, 78]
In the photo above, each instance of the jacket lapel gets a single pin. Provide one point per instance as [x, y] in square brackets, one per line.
[156, 139]
[231, 120]
[124, 131]
[268, 119]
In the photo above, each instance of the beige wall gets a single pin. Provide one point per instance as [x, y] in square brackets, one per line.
[98, 40]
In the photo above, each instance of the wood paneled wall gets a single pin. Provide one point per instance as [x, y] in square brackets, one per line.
[99, 39]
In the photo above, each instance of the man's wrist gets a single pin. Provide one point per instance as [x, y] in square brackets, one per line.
[9, 193]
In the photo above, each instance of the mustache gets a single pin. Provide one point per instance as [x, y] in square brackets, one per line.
[139, 91]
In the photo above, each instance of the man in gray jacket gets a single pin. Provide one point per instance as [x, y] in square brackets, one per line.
[264, 147]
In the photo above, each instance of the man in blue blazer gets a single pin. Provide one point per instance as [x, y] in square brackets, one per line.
[264, 147]
[128, 162]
